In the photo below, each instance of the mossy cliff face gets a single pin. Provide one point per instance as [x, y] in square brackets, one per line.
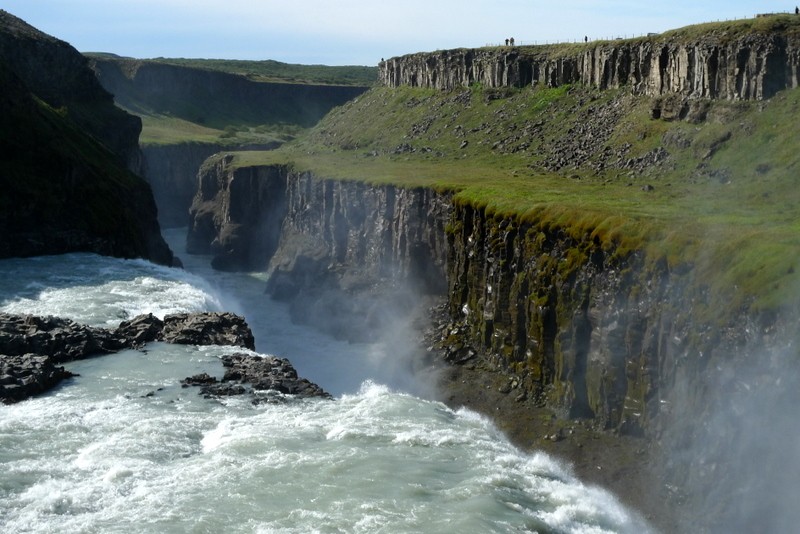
[588, 330]
[59, 75]
[753, 66]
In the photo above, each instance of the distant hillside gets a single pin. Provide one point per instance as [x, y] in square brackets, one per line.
[226, 101]
[274, 71]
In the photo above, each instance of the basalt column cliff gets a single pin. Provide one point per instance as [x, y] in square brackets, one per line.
[752, 66]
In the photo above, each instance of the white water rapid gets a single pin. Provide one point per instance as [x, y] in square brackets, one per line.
[122, 448]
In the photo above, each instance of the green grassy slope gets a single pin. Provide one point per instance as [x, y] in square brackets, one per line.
[720, 194]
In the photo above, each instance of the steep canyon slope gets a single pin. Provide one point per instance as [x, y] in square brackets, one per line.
[69, 157]
[623, 252]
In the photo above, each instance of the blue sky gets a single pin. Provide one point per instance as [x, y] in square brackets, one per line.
[353, 32]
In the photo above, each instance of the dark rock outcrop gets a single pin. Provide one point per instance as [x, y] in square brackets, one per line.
[67, 155]
[236, 213]
[28, 375]
[754, 65]
[30, 346]
[171, 171]
[264, 376]
[207, 329]
[62, 340]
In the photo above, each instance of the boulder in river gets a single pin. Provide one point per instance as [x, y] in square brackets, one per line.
[254, 374]
[23, 376]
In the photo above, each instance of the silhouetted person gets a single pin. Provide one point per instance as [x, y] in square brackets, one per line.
[797, 11]
[511, 41]
[506, 42]
[586, 39]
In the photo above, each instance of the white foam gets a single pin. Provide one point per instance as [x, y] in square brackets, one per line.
[103, 455]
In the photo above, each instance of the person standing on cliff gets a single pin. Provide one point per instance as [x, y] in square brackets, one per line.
[797, 10]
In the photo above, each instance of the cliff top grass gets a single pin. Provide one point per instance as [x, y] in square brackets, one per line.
[721, 32]
[721, 195]
[159, 130]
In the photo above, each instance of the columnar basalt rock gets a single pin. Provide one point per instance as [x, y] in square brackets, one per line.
[589, 331]
[752, 67]
[358, 232]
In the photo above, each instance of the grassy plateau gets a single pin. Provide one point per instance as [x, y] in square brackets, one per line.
[721, 196]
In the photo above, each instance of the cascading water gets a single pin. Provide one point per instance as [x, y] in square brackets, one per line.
[123, 448]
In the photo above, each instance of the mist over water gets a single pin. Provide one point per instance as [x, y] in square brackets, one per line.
[123, 448]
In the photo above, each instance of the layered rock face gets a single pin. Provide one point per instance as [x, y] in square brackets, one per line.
[752, 67]
[353, 234]
[329, 245]
[236, 213]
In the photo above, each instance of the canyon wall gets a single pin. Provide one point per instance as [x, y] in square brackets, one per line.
[68, 155]
[590, 332]
[753, 66]
[214, 98]
[171, 171]
[603, 337]
[357, 253]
